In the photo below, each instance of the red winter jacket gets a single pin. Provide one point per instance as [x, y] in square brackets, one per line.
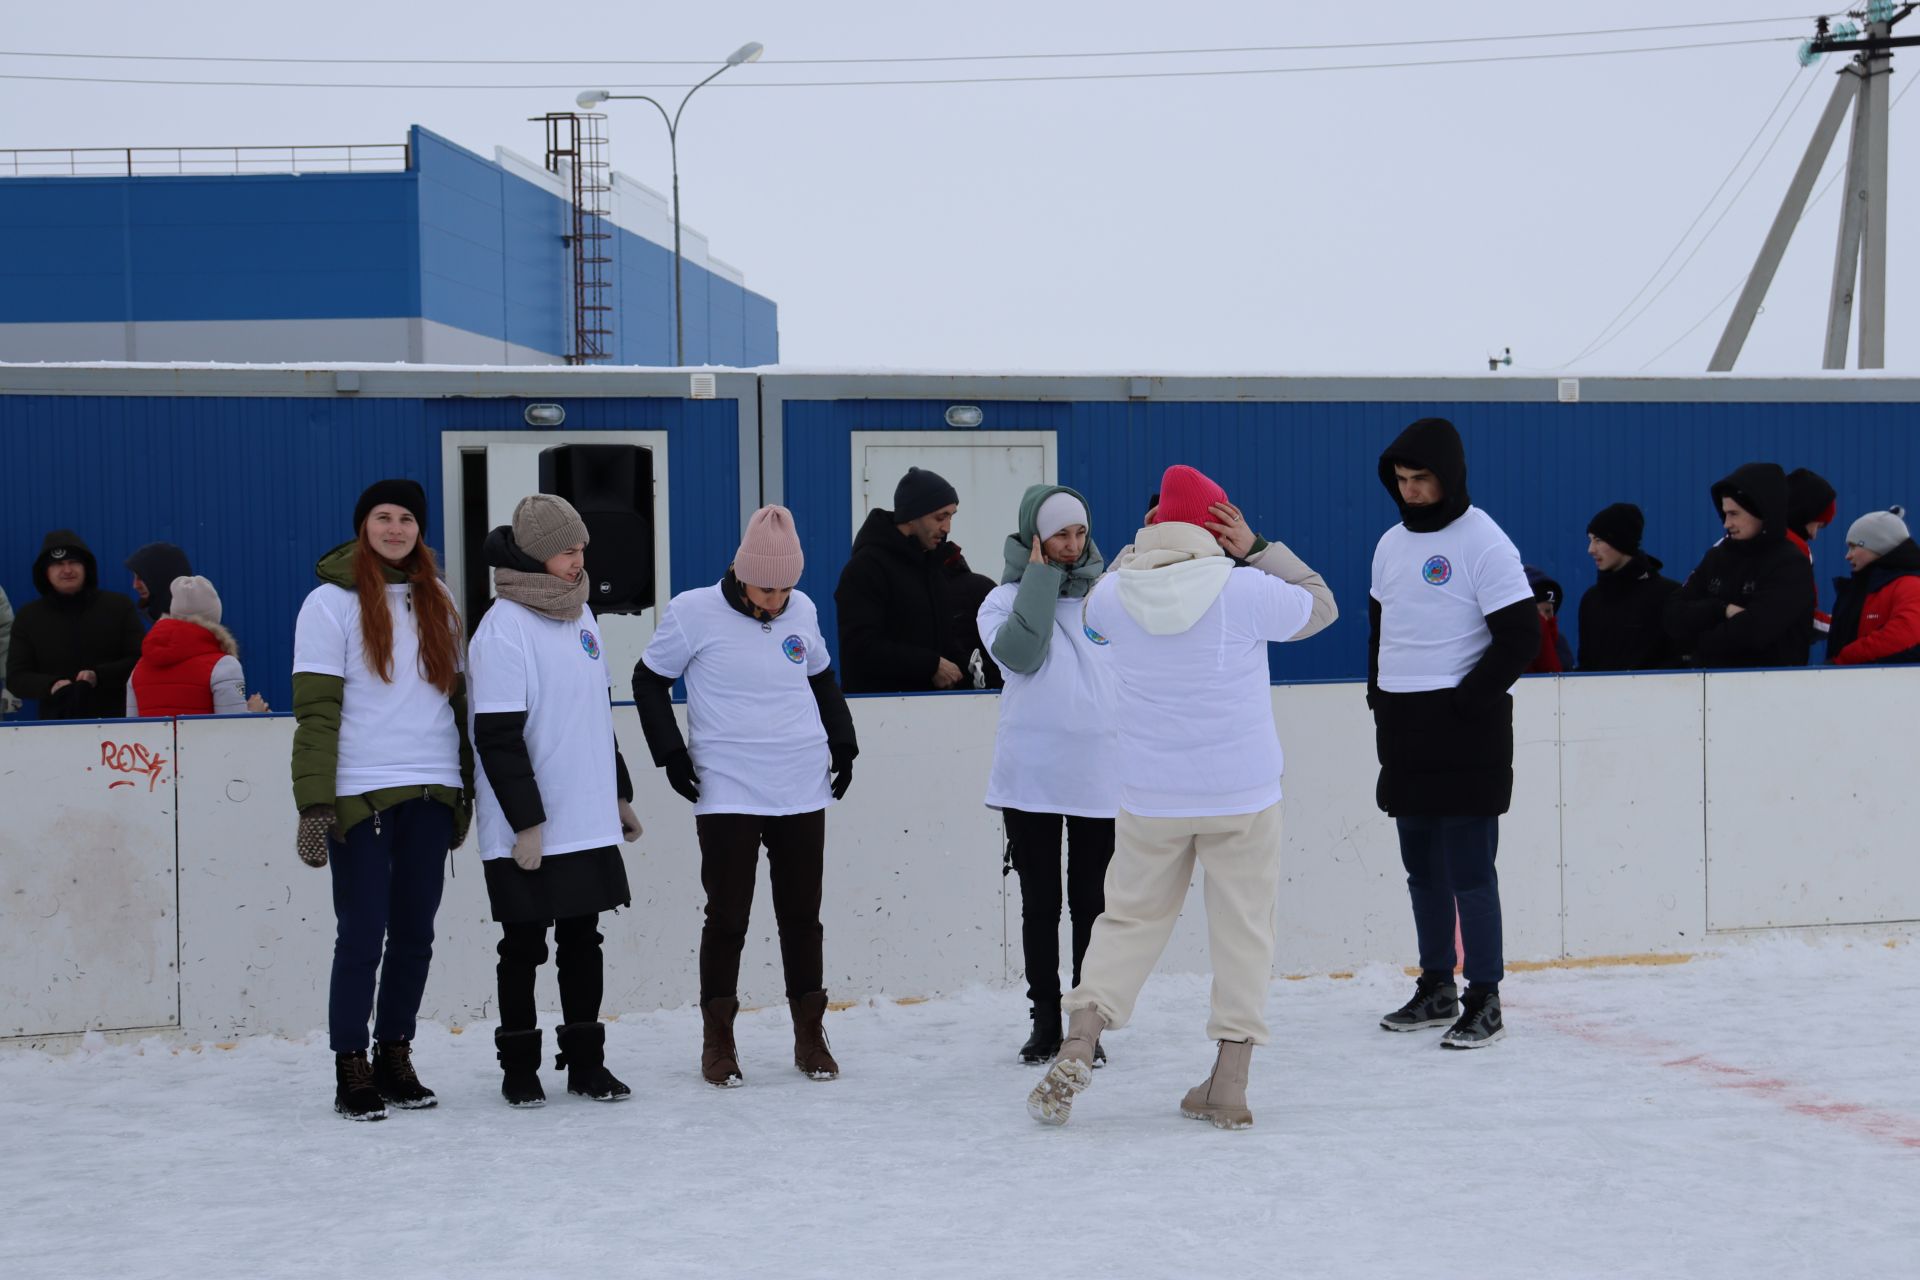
[175, 675]
[1889, 623]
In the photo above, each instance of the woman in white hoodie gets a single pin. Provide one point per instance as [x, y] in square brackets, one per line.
[1054, 752]
[1200, 768]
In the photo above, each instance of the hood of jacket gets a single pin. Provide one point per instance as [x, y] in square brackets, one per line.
[1430, 444]
[157, 564]
[500, 551]
[175, 640]
[1171, 576]
[69, 539]
[882, 534]
[336, 567]
[1761, 489]
[1081, 575]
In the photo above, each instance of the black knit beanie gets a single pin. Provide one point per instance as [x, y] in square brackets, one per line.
[401, 493]
[921, 493]
[1620, 526]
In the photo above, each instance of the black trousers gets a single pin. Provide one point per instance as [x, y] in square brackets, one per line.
[729, 855]
[579, 966]
[1033, 849]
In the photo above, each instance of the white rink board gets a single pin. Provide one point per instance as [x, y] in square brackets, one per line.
[88, 935]
[1811, 807]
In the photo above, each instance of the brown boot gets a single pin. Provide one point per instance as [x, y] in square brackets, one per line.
[810, 1053]
[719, 1061]
[1222, 1097]
[1051, 1101]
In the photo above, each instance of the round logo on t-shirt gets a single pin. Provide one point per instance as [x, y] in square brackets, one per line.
[1437, 571]
[589, 643]
[795, 648]
[1095, 636]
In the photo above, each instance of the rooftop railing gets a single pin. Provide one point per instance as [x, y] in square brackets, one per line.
[107, 162]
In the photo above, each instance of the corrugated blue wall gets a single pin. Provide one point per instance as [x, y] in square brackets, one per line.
[1306, 473]
[257, 488]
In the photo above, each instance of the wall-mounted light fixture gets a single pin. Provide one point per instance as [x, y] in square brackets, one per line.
[544, 415]
[964, 415]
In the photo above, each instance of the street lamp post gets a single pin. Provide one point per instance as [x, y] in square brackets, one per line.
[591, 98]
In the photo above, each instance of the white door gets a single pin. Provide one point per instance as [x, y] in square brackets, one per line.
[989, 470]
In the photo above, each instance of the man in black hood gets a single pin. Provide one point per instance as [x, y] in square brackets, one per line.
[896, 609]
[1623, 614]
[154, 567]
[1452, 625]
[75, 646]
[1748, 602]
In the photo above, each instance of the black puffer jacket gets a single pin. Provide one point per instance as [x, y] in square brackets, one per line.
[56, 637]
[1767, 576]
[896, 613]
[1447, 752]
[1623, 619]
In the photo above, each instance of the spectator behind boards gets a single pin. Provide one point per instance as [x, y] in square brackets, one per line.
[896, 608]
[966, 592]
[1748, 603]
[1876, 615]
[1623, 614]
[154, 567]
[74, 647]
[1554, 654]
[190, 664]
[1811, 504]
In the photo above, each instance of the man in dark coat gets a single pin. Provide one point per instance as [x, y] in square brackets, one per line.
[75, 646]
[1749, 602]
[154, 567]
[966, 590]
[896, 610]
[1623, 614]
[1452, 625]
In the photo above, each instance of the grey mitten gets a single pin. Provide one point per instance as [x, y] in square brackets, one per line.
[526, 848]
[316, 833]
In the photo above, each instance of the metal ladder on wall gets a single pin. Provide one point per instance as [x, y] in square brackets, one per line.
[576, 138]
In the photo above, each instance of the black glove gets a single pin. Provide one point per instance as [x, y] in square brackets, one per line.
[842, 771]
[681, 777]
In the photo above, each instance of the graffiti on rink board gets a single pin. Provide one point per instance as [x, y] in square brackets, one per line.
[132, 758]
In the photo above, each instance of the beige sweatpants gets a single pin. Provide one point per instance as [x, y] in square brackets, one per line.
[1146, 883]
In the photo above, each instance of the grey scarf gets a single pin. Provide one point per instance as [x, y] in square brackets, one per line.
[543, 593]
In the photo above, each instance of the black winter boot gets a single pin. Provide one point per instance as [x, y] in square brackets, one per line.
[1045, 1040]
[519, 1053]
[354, 1095]
[1480, 1023]
[583, 1052]
[393, 1076]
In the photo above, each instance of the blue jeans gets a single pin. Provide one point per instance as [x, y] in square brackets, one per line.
[386, 892]
[1449, 864]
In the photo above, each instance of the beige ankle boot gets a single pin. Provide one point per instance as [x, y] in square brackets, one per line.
[1051, 1101]
[1222, 1097]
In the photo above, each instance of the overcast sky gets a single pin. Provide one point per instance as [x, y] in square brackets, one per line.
[1394, 220]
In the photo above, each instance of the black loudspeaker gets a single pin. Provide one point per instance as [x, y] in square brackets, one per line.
[611, 486]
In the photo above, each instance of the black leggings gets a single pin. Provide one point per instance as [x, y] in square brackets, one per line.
[729, 854]
[579, 966]
[1033, 849]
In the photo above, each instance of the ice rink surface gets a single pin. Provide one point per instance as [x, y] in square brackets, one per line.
[1749, 1113]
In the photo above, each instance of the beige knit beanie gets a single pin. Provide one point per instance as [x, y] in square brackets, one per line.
[194, 597]
[545, 524]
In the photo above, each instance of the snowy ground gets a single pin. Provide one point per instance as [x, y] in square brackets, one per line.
[1751, 1113]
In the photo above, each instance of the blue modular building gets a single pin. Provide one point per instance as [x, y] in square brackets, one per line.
[254, 471]
[432, 255]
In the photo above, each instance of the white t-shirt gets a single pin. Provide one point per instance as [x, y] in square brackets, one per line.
[391, 735]
[1195, 709]
[754, 729]
[1435, 591]
[1055, 750]
[556, 673]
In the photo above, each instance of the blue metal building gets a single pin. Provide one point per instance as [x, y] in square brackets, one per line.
[450, 258]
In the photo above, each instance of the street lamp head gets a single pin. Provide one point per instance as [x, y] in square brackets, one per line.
[748, 52]
[591, 98]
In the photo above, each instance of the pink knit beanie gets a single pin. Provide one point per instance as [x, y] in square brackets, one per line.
[769, 554]
[1186, 495]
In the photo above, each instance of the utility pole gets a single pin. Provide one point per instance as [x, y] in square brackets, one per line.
[1860, 253]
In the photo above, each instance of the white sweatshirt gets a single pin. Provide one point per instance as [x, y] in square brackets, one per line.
[1055, 750]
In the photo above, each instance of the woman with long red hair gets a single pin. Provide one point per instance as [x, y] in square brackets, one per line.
[383, 778]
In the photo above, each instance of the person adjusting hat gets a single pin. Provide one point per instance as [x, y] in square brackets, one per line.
[896, 613]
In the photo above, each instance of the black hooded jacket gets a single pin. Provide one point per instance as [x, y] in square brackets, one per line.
[1447, 752]
[896, 611]
[157, 564]
[1623, 619]
[1851, 595]
[57, 637]
[1767, 576]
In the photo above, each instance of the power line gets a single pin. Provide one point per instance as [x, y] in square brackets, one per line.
[1741, 282]
[957, 80]
[958, 57]
[1715, 226]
